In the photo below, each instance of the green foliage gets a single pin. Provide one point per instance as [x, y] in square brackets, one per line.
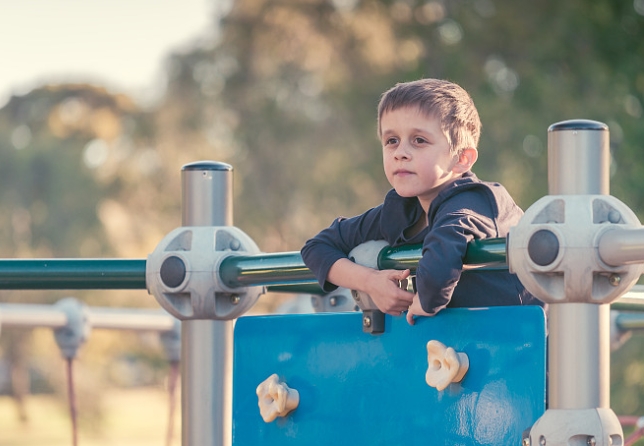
[287, 94]
[298, 83]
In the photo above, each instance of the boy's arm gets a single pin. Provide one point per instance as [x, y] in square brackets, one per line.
[458, 221]
[326, 255]
[336, 242]
[381, 286]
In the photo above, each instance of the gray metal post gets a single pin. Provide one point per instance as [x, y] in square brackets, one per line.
[206, 345]
[579, 333]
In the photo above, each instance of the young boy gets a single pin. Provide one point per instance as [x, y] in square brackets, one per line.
[429, 130]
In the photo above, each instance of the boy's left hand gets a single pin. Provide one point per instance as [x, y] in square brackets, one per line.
[415, 310]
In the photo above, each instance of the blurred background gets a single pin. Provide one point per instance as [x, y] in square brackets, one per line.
[102, 102]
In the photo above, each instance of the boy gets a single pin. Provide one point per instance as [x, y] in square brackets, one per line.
[429, 130]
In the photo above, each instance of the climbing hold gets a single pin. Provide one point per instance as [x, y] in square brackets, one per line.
[445, 365]
[276, 399]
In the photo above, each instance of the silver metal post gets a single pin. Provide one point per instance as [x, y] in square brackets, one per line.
[206, 345]
[579, 333]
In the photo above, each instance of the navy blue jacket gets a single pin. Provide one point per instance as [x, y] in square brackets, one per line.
[465, 209]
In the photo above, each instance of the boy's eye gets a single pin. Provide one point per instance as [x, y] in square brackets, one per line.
[419, 140]
[390, 141]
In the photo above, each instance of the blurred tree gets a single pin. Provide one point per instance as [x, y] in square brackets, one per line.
[72, 163]
[287, 94]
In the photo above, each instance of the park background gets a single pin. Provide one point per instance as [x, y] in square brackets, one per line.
[286, 92]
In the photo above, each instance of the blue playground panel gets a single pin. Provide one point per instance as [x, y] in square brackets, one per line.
[362, 389]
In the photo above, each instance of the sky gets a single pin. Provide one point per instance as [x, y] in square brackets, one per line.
[119, 44]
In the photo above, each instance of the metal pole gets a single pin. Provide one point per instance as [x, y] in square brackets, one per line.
[72, 274]
[274, 269]
[622, 247]
[50, 316]
[579, 333]
[287, 269]
[206, 345]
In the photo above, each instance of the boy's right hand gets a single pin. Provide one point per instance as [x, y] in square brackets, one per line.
[383, 286]
[384, 289]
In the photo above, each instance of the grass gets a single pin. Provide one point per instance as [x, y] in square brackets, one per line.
[133, 417]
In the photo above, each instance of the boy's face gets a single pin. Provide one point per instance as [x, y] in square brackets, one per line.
[416, 154]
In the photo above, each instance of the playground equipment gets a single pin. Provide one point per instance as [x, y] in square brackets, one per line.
[72, 322]
[578, 249]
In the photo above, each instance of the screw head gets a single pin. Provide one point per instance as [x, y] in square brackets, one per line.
[333, 301]
[614, 279]
[235, 299]
[542, 440]
[614, 216]
[591, 441]
[366, 321]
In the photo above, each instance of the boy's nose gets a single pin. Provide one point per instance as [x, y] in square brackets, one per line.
[402, 151]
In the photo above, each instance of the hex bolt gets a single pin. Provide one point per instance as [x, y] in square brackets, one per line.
[366, 321]
[235, 299]
[614, 279]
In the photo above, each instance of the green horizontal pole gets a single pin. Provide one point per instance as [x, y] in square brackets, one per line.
[72, 274]
[288, 272]
[629, 321]
[279, 269]
[284, 272]
[488, 254]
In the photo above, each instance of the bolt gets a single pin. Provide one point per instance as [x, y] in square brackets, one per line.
[526, 441]
[366, 321]
[235, 244]
[333, 301]
[542, 440]
[614, 216]
[614, 279]
[235, 299]
[591, 441]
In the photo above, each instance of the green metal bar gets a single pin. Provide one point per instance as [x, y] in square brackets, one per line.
[285, 268]
[304, 288]
[488, 254]
[629, 321]
[289, 269]
[72, 274]
[278, 271]
[403, 257]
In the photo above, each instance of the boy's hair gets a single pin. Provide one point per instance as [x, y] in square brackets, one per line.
[446, 101]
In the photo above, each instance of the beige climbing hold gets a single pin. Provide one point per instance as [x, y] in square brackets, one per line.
[275, 398]
[445, 366]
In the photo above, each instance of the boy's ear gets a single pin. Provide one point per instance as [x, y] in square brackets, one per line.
[466, 160]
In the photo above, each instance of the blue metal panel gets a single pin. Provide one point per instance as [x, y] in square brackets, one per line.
[362, 389]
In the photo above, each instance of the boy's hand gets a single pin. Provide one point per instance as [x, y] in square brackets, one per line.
[415, 310]
[384, 289]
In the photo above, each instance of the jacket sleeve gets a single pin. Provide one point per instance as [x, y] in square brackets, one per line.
[467, 216]
[336, 242]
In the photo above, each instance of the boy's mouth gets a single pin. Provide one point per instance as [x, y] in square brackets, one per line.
[402, 172]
